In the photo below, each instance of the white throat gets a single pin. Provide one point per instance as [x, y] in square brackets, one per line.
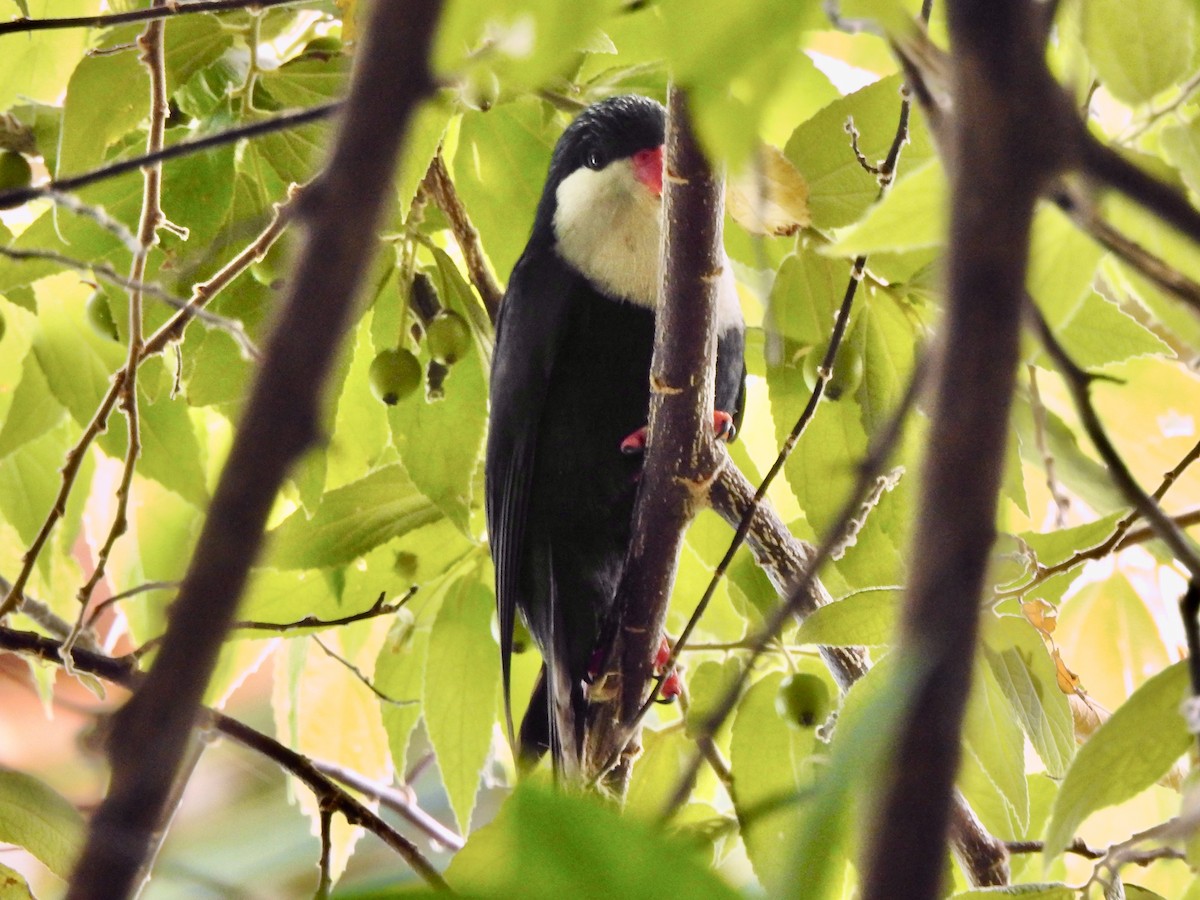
[608, 226]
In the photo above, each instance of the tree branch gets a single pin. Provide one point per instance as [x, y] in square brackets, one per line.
[440, 187]
[282, 122]
[389, 80]
[1079, 384]
[123, 671]
[1002, 152]
[153, 57]
[138, 15]
[680, 461]
[168, 333]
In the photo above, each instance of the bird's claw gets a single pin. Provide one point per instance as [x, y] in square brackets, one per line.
[723, 429]
[671, 686]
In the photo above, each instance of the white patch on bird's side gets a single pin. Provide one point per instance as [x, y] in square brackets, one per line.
[608, 226]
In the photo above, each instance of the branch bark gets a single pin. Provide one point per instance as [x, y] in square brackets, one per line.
[681, 456]
[1002, 154]
[150, 733]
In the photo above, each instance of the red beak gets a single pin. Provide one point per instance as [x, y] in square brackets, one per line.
[648, 169]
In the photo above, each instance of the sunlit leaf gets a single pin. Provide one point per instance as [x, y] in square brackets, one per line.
[352, 520]
[462, 681]
[1120, 759]
[39, 819]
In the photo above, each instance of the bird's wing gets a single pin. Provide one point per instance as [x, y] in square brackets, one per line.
[529, 332]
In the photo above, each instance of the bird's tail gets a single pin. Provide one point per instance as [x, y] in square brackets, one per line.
[554, 723]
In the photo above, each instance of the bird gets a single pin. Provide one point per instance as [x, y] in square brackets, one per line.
[569, 402]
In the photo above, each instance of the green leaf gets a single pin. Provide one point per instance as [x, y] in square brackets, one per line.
[34, 816]
[1181, 147]
[1054, 547]
[1099, 333]
[1062, 265]
[34, 409]
[547, 845]
[867, 723]
[76, 361]
[733, 59]
[295, 152]
[1127, 754]
[192, 43]
[400, 674]
[1027, 891]
[1023, 669]
[37, 65]
[912, 216]
[529, 41]
[993, 736]
[13, 885]
[865, 618]
[462, 686]
[419, 422]
[665, 756]
[840, 190]
[351, 520]
[889, 340]
[120, 198]
[770, 761]
[1139, 49]
[95, 115]
[499, 169]
[170, 451]
[30, 481]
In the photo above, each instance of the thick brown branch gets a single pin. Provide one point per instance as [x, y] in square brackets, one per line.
[1002, 153]
[390, 78]
[680, 459]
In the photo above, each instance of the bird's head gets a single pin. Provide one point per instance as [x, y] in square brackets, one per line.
[603, 196]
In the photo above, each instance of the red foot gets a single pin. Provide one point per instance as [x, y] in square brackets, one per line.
[671, 686]
[635, 443]
[723, 428]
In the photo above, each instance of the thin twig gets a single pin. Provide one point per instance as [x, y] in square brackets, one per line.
[167, 334]
[138, 15]
[378, 608]
[359, 674]
[1102, 162]
[105, 272]
[1079, 384]
[885, 172]
[870, 469]
[1150, 266]
[440, 188]
[100, 607]
[325, 882]
[124, 672]
[153, 57]
[400, 800]
[281, 122]
[1121, 537]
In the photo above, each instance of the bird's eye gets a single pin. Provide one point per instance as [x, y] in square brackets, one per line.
[593, 160]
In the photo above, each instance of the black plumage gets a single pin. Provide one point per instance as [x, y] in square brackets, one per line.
[570, 382]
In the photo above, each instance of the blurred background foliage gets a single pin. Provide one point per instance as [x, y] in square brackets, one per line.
[392, 502]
